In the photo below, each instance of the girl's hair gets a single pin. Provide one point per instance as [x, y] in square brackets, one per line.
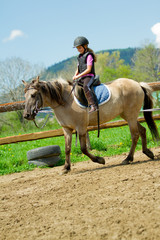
[90, 50]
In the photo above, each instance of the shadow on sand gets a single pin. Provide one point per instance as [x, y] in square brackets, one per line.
[156, 159]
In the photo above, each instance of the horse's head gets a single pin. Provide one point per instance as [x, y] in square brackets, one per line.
[33, 99]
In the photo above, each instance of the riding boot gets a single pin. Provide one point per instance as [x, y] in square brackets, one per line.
[91, 102]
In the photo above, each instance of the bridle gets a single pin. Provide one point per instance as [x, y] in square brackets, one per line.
[37, 102]
[39, 109]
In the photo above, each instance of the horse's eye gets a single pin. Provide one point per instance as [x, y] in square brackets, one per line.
[33, 95]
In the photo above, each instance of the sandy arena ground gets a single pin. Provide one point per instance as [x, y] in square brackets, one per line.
[92, 202]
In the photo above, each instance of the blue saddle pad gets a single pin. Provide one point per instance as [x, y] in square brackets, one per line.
[102, 92]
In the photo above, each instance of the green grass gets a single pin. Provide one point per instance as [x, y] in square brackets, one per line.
[114, 141]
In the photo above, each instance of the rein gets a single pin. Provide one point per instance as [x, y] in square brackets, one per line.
[38, 110]
[76, 82]
[44, 124]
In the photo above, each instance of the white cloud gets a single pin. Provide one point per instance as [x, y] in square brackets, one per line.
[156, 30]
[14, 34]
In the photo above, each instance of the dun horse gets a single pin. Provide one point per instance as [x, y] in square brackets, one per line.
[127, 98]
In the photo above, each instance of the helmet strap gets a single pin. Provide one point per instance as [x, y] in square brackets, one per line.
[85, 49]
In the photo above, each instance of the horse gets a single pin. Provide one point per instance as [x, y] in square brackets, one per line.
[127, 98]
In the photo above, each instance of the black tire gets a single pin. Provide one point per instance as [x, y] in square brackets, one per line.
[44, 152]
[49, 162]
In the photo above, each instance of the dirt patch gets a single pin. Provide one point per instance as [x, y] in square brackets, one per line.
[91, 202]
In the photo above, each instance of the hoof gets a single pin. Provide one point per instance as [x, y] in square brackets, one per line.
[65, 171]
[149, 153]
[99, 160]
[125, 162]
[128, 160]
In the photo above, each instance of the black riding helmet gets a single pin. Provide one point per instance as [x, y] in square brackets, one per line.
[80, 41]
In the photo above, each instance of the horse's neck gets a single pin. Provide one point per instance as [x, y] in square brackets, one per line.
[66, 96]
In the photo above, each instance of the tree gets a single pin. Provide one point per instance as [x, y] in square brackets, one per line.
[111, 67]
[12, 72]
[147, 64]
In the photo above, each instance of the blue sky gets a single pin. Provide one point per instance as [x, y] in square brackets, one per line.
[43, 31]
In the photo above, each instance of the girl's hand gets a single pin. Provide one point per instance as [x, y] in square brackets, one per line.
[79, 75]
[75, 77]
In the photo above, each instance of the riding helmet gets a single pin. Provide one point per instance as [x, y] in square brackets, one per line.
[80, 41]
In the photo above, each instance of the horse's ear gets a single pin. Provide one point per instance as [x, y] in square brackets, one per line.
[37, 80]
[25, 84]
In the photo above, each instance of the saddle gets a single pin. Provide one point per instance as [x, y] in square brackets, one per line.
[79, 93]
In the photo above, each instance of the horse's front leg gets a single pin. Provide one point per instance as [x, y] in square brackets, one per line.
[82, 139]
[68, 140]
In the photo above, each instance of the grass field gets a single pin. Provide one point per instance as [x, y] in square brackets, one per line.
[13, 157]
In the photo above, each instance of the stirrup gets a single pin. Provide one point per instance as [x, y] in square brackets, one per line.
[93, 108]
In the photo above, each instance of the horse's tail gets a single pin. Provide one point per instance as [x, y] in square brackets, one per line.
[148, 104]
[154, 85]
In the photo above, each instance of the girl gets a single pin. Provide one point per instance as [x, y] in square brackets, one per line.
[85, 69]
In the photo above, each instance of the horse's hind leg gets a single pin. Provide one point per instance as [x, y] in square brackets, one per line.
[142, 132]
[82, 139]
[134, 135]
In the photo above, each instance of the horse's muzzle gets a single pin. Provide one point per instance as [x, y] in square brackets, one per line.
[29, 116]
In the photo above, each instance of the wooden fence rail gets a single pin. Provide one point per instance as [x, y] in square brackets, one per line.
[13, 106]
[59, 132]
